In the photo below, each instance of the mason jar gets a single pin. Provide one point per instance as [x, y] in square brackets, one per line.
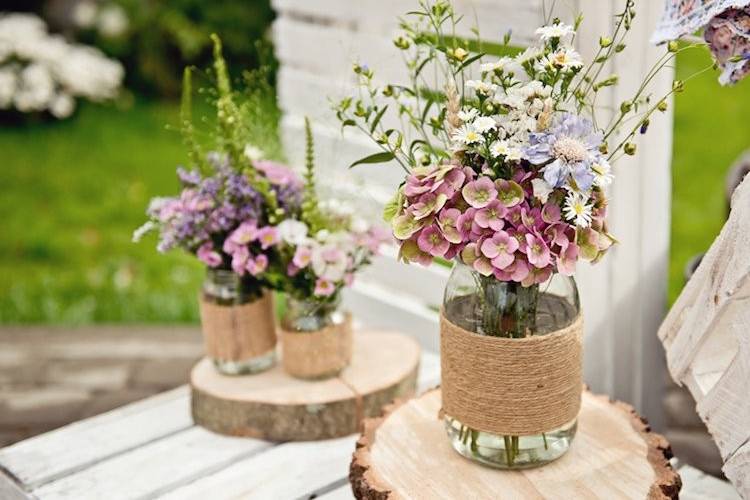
[510, 312]
[238, 322]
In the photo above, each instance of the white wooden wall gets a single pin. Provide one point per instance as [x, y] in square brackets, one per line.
[624, 297]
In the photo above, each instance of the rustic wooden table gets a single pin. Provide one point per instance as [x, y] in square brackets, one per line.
[152, 449]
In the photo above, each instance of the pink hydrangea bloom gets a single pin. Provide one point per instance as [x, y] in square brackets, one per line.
[432, 241]
[537, 251]
[492, 216]
[479, 193]
[500, 249]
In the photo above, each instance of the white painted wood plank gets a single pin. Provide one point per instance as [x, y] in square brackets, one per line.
[290, 470]
[9, 490]
[155, 468]
[381, 16]
[340, 493]
[61, 452]
[287, 471]
[697, 485]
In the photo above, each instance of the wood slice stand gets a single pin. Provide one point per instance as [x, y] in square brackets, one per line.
[406, 454]
[276, 406]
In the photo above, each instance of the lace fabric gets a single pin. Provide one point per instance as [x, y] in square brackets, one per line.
[682, 17]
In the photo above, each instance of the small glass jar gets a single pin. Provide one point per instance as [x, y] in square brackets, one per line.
[486, 306]
[242, 321]
[316, 338]
[311, 315]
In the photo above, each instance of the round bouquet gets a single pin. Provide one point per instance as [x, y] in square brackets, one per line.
[507, 166]
[322, 248]
[227, 215]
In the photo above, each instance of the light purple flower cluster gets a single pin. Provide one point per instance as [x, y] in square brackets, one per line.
[497, 226]
[222, 218]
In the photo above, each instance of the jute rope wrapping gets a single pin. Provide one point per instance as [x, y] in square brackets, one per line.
[511, 387]
[238, 332]
[317, 354]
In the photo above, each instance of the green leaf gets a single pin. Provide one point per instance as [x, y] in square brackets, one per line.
[377, 118]
[468, 62]
[383, 157]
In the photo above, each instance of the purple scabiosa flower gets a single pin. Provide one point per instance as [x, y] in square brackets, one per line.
[479, 193]
[567, 149]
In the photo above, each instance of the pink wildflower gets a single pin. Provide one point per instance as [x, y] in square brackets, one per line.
[208, 255]
[268, 236]
[324, 287]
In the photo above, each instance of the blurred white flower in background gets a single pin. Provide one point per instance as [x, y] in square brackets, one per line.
[43, 72]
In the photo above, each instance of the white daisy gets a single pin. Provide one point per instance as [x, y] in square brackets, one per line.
[467, 135]
[253, 153]
[577, 210]
[484, 124]
[602, 173]
[565, 59]
[498, 65]
[468, 114]
[481, 87]
[555, 31]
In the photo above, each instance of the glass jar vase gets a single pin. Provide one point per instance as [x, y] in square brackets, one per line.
[316, 338]
[482, 305]
[238, 323]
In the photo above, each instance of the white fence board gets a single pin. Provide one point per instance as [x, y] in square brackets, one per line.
[155, 468]
[43, 458]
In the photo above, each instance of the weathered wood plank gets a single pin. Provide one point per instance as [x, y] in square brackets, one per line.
[10, 490]
[155, 468]
[64, 451]
[697, 485]
[291, 470]
[707, 343]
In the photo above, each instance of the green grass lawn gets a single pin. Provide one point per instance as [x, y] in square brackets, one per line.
[711, 129]
[73, 191]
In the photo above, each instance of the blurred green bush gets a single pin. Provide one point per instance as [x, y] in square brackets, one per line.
[155, 39]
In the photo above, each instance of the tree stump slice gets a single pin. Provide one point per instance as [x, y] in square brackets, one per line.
[276, 406]
[406, 454]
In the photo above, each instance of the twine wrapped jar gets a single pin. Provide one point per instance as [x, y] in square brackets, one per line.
[238, 323]
[511, 359]
[316, 338]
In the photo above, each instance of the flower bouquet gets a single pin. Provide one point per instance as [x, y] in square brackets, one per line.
[507, 166]
[227, 215]
[322, 249]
